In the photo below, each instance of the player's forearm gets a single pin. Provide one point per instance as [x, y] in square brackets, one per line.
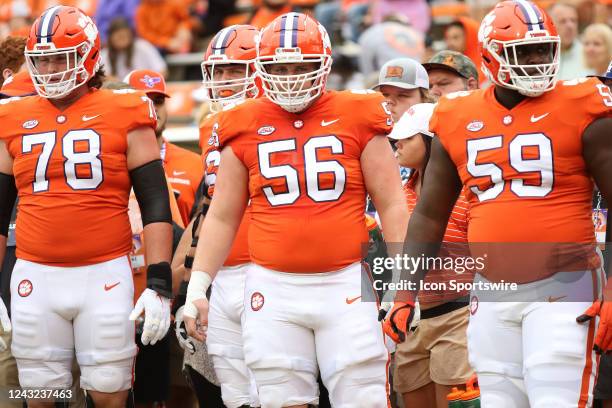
[216, 238]
[423, 240]
[178, 261]
[394, 220]
[158, 242]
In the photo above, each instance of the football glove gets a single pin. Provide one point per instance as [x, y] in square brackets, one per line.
[5, 324]
[402, 318]
[181, 332]
[156, 309]
[603, 339]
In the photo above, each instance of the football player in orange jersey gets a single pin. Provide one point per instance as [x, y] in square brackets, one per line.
[306, 158]
[72, 153]
[528, 150]
[229, 76]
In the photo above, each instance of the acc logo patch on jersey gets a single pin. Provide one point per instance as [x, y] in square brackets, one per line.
[475, 126]
[24, 288]
[266, 130]
[30, 124]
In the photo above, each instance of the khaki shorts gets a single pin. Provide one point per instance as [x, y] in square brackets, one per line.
[8, 372]
[436, 351]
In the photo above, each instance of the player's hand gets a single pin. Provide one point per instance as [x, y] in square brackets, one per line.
[402, 318]
[195, 312]
[5, 323]
[195, 315]
[181, 333]
[156, 309]
[603, 339]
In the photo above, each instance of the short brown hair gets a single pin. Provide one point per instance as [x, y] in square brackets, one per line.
[12, 54]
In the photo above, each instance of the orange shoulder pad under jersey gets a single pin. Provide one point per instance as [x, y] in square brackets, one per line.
[211, 155]
[523, 168]
[71, 173]
[305, 181]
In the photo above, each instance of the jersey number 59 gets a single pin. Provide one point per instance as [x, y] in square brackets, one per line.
[543, 165]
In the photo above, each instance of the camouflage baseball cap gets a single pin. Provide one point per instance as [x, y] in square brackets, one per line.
[453, 61]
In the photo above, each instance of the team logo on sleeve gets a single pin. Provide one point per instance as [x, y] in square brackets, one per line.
[24, 288]
[213, 140]
[257, 301]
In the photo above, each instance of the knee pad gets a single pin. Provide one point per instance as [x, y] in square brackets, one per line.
[363, 385]
[234, 380]
[500, 391]
[109, 377]
[282, 387]
[49, 374]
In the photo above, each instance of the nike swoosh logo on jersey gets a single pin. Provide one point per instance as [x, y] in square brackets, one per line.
[352, 300]
[108, 287]
[87, 118]
[534, 119]
[555, 298]
[178, 173]
[326, 123]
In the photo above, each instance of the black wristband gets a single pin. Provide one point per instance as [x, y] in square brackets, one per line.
[181, 297]
[159, 278]
[188, 262]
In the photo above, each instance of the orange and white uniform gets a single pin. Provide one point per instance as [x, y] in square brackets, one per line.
[304, 170]
[72, 283]
[524, 169]
[224, 335]
[306, 238]
[530, 211]
[66, 164]
[211, 144]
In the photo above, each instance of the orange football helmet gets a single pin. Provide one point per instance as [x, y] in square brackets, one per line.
[508, 27]
[293, 38]
[67, 36]
[231, 45]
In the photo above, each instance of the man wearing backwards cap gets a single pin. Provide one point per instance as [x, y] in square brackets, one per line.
[183, 168]
[450, 71]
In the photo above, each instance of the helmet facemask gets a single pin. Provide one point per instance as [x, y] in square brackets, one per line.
[223, 92]
[294, 93]
[61, 83]
[528, 79]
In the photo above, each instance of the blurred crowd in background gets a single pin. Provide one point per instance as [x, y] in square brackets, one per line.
[170, 36]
